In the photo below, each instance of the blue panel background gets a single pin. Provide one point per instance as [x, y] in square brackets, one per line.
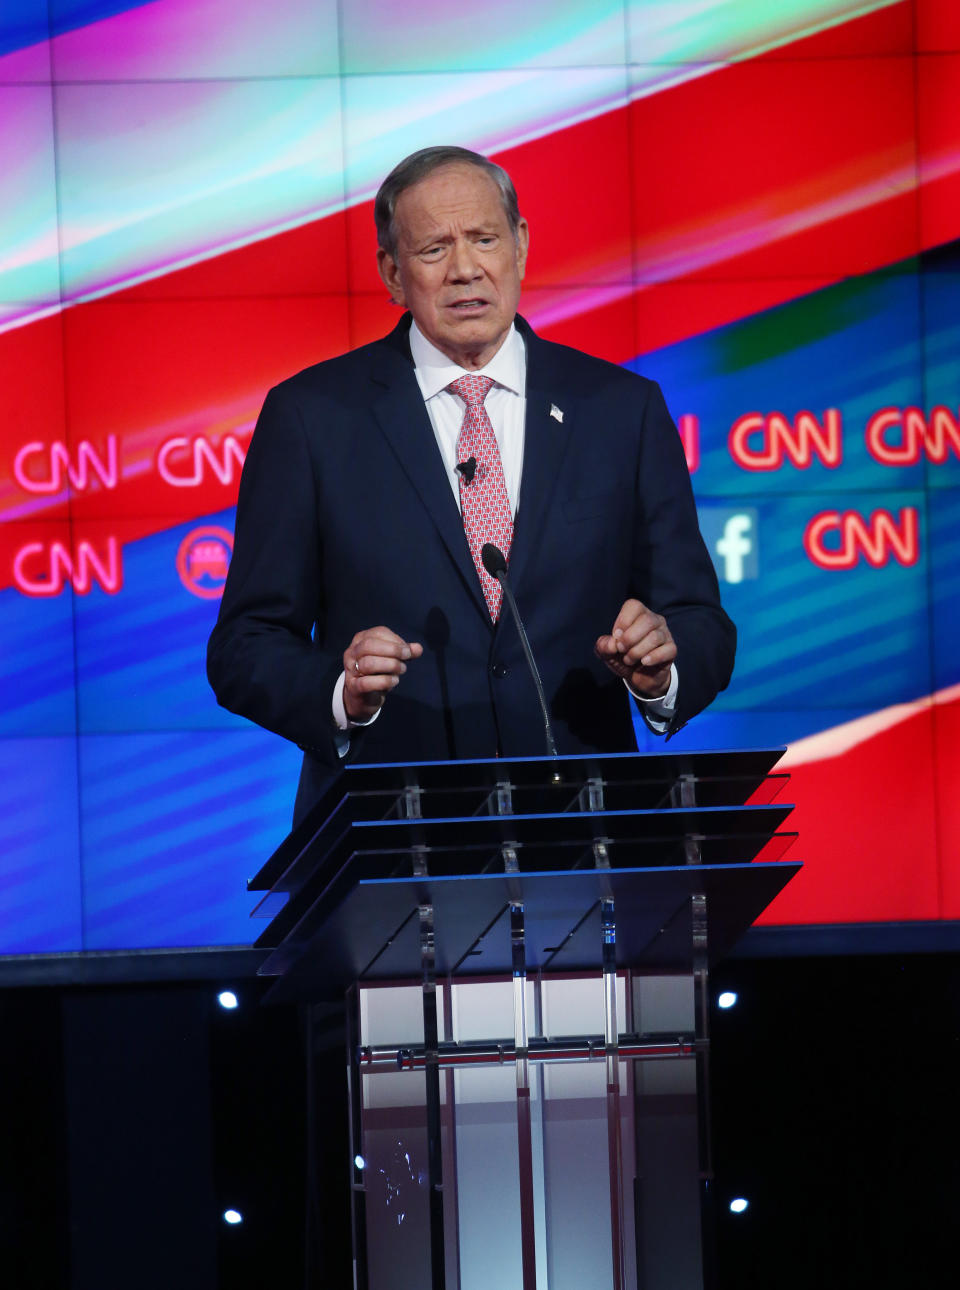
[27, 22]
[40, 894]
[173, 825]
[141, 655]
[37, 665]
[855, 346]
[24, 22]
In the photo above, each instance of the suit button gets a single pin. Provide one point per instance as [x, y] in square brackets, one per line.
[499, 670]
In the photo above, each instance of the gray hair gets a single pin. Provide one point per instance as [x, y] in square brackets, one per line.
[418, 166]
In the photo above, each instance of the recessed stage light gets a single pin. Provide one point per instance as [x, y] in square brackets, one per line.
[727, 999]
[232, 1216]
[738, 1205]
[227, 999]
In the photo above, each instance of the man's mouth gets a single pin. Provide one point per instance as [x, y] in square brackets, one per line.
[473, 305]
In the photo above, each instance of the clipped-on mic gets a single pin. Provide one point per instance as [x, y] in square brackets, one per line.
[495, 563]
[468, 469]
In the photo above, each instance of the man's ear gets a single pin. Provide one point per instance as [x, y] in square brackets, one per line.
[523, 246]
[390, 275]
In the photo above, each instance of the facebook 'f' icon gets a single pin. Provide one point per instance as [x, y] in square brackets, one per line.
[735, 543]
[731, 538]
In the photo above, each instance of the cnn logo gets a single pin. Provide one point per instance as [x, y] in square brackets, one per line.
[44, 569]
[838, 539]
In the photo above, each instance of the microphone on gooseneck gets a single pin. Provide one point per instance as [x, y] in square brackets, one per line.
[468, 469]
[495, 564]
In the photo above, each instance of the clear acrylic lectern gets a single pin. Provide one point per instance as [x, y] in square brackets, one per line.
[523, 949]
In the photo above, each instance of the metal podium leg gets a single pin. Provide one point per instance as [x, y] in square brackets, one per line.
[431, 1041]
[358, 1191]
[528, 1243]
[701, 1002]
[611, 1040]
[451, 1197]
[611, 1035]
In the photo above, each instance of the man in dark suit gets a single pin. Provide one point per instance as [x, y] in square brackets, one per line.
[357, 620]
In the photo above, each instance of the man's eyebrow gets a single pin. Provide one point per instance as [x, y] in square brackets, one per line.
[442, 236]
[419, 241]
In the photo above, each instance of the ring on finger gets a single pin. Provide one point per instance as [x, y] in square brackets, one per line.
[356, 666]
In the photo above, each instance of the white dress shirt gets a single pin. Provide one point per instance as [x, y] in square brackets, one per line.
[506, 405]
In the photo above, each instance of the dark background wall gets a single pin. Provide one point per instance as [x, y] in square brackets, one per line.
[135, 1115]
[836, 1093]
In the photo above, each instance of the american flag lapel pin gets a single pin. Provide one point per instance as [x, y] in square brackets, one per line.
[556, 413]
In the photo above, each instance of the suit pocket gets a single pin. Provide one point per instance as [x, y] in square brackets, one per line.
[584, 508]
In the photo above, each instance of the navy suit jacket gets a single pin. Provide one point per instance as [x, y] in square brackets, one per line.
[346, 520]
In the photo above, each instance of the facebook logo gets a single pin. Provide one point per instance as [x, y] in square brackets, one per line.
[731, 537]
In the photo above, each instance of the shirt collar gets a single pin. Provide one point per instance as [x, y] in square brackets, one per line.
[435, 370]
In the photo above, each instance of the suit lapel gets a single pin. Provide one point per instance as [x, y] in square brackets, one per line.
[399, 410]
[546, 439]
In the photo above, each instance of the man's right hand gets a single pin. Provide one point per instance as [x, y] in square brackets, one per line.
[373, 664]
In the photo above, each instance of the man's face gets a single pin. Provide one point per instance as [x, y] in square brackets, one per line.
[458, 267]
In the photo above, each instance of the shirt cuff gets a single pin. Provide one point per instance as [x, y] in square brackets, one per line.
[340, 719]
[658, 713]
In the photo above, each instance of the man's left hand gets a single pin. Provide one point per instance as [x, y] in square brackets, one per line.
[639, 649]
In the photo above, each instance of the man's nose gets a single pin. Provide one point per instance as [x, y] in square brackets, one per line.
[463, 264]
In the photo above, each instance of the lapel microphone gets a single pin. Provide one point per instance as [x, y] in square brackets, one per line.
[468, 469]
[495, 564]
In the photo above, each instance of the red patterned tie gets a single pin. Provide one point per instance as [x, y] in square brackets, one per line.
[483, 501]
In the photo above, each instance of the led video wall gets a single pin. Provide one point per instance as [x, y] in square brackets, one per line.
[757, 205]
